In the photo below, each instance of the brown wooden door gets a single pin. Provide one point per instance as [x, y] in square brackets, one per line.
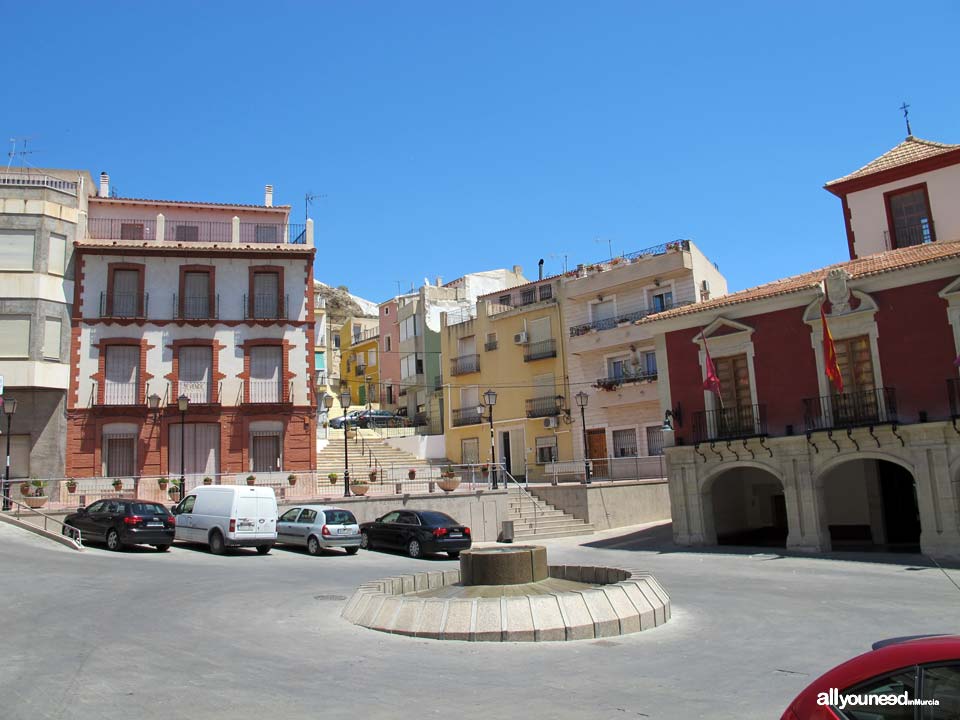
[859, 401]
[597, 451]
[735, 416]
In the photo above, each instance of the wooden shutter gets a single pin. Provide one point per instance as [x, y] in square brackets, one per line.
[266, 289]
[265, 375]
[734, 377]
[126, 286]
[196, 295]
[855, 360]
[195, 366]
[121, 374]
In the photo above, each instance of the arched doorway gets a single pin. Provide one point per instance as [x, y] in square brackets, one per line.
[748, 508]
[871, 504]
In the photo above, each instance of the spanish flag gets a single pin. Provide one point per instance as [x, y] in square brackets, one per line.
[711, 382]
[830, 364]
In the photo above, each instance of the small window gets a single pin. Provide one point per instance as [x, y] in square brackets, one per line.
[336, 341]
[546, 292]
[654, 440]
[289, 515]
[307, 517]
[16, 251]
[662, 301]
[386, 310]
[386, 344]
[491, 343]
[56, 258]
[504, 300]
[390, 399]
[187, 233]
[470, 451]
[419, 365]
[528, 296]
[546, 449]
[650, 363]
[119, 453]
[14, 337]
[51, 339]
[625, 443]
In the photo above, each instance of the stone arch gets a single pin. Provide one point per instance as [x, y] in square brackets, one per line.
[744, 503]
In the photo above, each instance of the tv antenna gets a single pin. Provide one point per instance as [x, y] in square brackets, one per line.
[557, 256]
[906, 117]
[609, 243]
[307, 199]
[22, 154]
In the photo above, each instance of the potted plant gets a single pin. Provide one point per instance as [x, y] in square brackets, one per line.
[359, 487]
[373, 475]
[174, 492]
[25, 488]
[208, 481]
[412, 473]
[448, 479]
[292, 479]
[332, 477]
[485, 470]
[36, 498]
[117, 484]
[71, 485]
[251, 479]
[162, 482]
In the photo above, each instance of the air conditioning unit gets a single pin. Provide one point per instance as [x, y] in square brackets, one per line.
[550, 422]
[521, 338]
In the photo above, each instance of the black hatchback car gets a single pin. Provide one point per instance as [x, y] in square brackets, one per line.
[125, 522]
[418, 532]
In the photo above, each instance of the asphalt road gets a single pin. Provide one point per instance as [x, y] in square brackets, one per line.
[186, 634]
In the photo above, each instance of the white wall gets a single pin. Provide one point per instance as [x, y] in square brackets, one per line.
[427, 447]
[869, 213]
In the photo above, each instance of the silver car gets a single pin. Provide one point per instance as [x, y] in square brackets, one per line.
[318, 527]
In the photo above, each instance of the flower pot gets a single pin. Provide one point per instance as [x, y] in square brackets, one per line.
[412, 474]
[449, 484]
[208, 481]
[35, 501]
[359, 488]
[24, 489]
[333, 480]
[251, 481]
[71, 487]
[292, 481]
[118, 486]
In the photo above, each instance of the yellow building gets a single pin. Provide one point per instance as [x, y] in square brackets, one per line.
[512, 343]
[360, 361]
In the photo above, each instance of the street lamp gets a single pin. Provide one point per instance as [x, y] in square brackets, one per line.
[9, 408]
[183, 402]
[153, 403]
[582, 399]
[489, 400]
[345, 403]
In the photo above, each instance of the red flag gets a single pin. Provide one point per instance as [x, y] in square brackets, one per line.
[712, 382]
[830, 364]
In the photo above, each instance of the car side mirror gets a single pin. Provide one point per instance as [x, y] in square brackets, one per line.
[174, 510]
[81, 511]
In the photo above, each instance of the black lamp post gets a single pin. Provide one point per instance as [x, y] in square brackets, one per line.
[9, 408]
[489, 400]
[582, 399]
[183, 402]
[345, 403]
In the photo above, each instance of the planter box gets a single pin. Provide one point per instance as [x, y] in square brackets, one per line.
[35, 501]
[359, 489]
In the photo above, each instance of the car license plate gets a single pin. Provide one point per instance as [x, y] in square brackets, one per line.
[155, 524]
[245, 524]
[453, 535]
[344, 531]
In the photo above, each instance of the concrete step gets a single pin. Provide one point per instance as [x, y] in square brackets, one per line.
[586, 530]
[549, 514]
[546, 522]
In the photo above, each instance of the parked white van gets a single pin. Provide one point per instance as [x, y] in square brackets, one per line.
[223, 516]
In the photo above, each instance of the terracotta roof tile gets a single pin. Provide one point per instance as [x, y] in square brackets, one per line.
[860, 268]
[909, 151]
[260, 248]
[154, 201]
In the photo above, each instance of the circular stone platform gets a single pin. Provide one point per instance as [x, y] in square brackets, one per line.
[512, 565]
[574, 602]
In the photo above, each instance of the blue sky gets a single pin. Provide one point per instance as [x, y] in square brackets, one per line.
[449, 137]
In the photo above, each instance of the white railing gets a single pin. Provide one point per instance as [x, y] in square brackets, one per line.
[648, 467]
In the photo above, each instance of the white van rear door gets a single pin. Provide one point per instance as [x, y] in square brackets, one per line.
[267, 517]
[247, 515]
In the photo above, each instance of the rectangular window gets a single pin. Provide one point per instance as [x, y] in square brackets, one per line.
[546, 449]
[419, 365]
[504, 300]
[372, 357]
[528, 296]
[470, 451]
[390, 399]
[357, 329]
[51, 338]
[546, 292]
[318, 361]
[909, 215]
[386, 344]
[409, 328]
[121, 375]
[119, 455]
[266, 293]
[625, 443]
[265, 452]
[491, 343]
[650, 363]
[187, 233]
[125, 295]
[201, 449]
[618, 368]
[266, 374]
[540, 330]
[195, 366]
[14, 337]
[336, 341]
[131, 231]
[16, 251]
[654, 440]
[57, 254]
[196, 295]
[602, 314]
[662, 301]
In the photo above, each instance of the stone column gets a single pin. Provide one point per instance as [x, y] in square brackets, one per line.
[808, 529]
[161, 227]
[939, 532]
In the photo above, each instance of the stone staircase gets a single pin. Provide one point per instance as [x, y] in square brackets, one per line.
[330, 458]
[546, 522]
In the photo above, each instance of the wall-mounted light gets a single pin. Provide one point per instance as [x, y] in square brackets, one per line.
[673, 416]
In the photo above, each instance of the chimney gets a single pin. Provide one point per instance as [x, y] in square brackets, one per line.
[540, 269]
[439, 281]
[104, 185]
[268, 196]
[517, 270]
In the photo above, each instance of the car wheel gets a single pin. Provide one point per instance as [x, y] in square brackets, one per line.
[351, 550]
[162, 548]
[113, 540]
[264, 549]
[454, 554]
[413, 549]
[217, 546]
[365, 542]
[313, 545]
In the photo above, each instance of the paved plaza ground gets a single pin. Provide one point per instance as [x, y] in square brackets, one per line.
[186, 634]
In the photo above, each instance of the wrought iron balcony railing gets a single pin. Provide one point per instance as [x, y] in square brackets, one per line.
[197, 390]
[466, 416]
[732, 423]
[265, 391]
[544, 406]
[199, 307]
[189, 231]
[625, 316]
[465, 364]
[611, 383]
[849, 410]
[908, 235]
[124, 305]
[265, 307]
[120, 393]
[540, 350]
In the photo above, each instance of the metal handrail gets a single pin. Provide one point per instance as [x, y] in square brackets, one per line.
[73, 533]
[505, 474]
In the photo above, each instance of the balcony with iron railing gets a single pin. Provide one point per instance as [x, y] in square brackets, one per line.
[625, 316]
[465, 364]
[365, 335]
[160, 229]
[849, 410]
[196, 307]
[540, 350]
[625, 378]
[198, 391]
[466, 416]
[732, 423]
[124, 305]
[264, 391]
[550, 406]
[910, 234]
[265, 307]
[121, 393]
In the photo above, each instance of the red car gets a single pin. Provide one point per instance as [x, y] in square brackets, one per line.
[925, 668]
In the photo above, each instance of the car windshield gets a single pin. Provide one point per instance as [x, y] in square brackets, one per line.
[141, 508]
[339, 517]
[437, 519]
